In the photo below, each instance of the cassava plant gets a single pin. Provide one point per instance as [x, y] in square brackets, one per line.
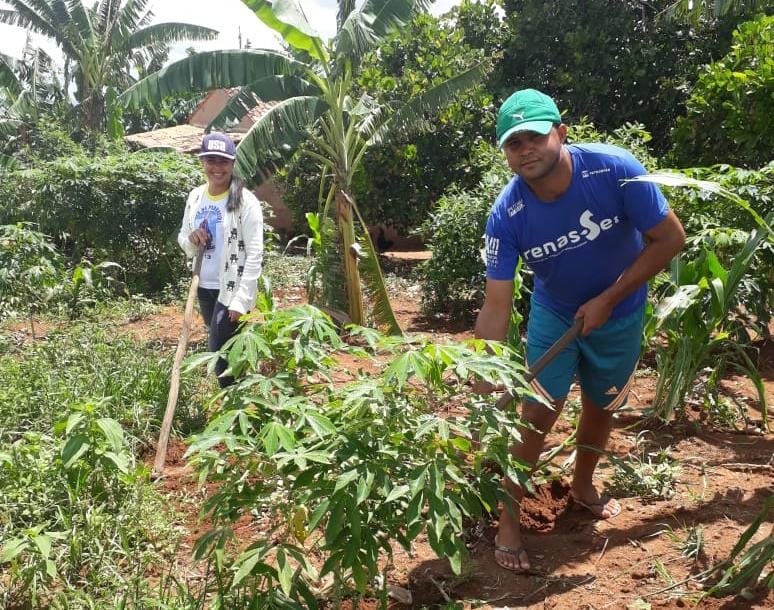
[345, 471]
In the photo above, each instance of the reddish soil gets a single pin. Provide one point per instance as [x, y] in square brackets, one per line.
[578, 562]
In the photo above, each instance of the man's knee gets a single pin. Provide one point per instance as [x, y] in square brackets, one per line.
[540, 416]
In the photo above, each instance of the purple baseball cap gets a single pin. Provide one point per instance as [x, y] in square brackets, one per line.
[218, 145]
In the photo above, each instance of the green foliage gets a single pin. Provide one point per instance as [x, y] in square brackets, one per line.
[745, 569]
[103, 43]
[348, 470]
[86, 363]
[698, 321]
[699, 315]
[74, 508]
[614, 62]
[30, 267]
[730, 108]
[121, 207]
[453, 279]
[688, 539]
[725, 228]
[399, 182]
[650, 475]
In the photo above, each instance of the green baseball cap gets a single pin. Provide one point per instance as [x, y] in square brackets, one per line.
[526, 110]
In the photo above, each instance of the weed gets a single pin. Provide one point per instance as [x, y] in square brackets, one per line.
[650, 476]
[688, 539]
[81, 363]
[285, 270]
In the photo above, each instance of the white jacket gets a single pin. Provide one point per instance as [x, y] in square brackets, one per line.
[242, 255]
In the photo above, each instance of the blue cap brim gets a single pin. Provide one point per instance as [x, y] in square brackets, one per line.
[541, 127]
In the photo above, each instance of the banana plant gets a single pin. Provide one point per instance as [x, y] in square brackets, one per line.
[28, 87]
[318, 111]
[100, 41]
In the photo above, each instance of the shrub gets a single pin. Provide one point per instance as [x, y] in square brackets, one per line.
[347, 472]
[730, 109]
[120, 207]
[712, 224]
[29, 269]
[453, 279]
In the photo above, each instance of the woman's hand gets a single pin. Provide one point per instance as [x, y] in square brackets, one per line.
[198, 237]
[234, 315]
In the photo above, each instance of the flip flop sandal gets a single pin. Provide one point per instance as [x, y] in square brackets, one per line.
[597, 508]
[511, 552]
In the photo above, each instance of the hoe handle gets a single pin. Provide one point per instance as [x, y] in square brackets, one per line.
[174, 383]
[568, 337]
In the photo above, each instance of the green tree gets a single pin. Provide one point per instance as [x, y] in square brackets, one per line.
[101, 44]
[730, 109]
[29, 90]
[320, 103]
[696, 10]
[611, 61]
[398, 183]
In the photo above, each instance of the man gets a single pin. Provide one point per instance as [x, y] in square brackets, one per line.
[580, 228]
[225, 220]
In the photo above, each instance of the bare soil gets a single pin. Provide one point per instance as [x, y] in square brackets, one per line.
[578, 562]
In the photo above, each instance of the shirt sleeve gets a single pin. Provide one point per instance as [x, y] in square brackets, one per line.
[644, 203]
[501, 250]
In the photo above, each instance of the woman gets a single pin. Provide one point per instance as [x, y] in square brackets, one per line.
[225, 219]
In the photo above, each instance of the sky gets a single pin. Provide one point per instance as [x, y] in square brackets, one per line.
[226, 16]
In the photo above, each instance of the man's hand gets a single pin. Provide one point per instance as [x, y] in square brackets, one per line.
[663, 242]
[594, 312]
[484, 387]
[198, 237]
[234, 315]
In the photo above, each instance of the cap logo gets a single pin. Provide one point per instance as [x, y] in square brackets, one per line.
[217, 145]
[519, 116]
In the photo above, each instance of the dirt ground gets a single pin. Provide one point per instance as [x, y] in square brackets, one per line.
[626, 562]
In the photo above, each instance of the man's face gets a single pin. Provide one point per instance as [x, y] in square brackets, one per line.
[532, 155]
[218, 171]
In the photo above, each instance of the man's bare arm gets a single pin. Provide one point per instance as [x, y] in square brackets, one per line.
[492, 321]
[663, 241]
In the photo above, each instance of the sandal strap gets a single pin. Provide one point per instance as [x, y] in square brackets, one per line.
[515, 552]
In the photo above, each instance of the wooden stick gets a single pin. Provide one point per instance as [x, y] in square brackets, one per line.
[174, 383]
[568, 337]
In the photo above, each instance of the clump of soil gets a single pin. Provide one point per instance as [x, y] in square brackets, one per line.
[539, 511]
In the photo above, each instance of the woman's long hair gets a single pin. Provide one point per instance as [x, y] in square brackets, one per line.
[235, 194]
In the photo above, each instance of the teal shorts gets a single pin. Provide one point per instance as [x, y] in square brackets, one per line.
[604, 360]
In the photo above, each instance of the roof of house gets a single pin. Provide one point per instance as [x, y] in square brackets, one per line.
[185, 138]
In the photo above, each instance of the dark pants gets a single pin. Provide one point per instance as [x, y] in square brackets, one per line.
[219, 328]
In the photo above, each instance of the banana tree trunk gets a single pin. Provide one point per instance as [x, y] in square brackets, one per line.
[351, 272]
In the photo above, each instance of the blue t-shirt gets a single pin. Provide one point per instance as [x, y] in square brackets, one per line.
[579, 244]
